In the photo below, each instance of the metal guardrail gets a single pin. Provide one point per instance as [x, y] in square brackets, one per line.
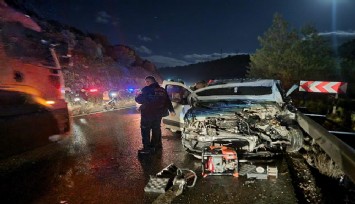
[339, 152]
[342, 133]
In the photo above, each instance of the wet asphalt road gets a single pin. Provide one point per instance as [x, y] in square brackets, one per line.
[99, 164]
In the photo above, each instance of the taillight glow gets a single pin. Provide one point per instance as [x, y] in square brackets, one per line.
[93, 90]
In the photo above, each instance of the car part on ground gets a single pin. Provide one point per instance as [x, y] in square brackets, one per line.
[170, 182]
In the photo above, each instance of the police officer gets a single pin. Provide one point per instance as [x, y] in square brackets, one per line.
[155, 103]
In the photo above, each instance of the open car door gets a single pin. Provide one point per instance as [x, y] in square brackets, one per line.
[178, 94]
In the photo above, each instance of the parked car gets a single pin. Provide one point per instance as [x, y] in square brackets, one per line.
[250, 115]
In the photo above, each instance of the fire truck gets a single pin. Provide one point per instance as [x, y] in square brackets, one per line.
[44, 85]
[32, 104]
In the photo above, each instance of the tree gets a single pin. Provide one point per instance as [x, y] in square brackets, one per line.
[291, 56]
[270, 60]
[347, 54]
[317, 61]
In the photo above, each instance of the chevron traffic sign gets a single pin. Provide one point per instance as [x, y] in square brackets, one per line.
[323, 86]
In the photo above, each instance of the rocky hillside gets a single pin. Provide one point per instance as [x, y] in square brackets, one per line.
[87, 59]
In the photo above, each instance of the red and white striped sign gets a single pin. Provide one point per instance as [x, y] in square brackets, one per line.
[323, 86]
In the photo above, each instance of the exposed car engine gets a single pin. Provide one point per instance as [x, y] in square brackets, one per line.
[252, 129]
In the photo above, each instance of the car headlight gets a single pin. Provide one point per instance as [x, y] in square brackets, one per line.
[50, 102]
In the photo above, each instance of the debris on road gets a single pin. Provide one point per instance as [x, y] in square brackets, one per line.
[156, 185]
[170, 182]
[246, 168]
[258, 173]
[272, 171]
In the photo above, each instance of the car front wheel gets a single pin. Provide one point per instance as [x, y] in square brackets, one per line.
[295, 137]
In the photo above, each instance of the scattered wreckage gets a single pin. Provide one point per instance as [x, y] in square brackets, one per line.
[170, 182]
[252, 116]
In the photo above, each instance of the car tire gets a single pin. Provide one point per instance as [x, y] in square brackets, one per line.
[295, 137]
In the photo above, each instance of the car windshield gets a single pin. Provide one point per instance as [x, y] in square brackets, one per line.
[230, 103]
[241, 90]
[253, 90]
[222, 103]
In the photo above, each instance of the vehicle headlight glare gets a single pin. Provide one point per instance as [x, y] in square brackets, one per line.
[50, 102]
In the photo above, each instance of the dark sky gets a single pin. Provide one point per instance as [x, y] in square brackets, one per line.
[172, 32]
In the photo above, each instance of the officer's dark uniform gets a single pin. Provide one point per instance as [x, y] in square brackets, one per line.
[155, 104]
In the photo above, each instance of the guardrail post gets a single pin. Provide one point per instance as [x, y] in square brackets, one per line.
[335, 104]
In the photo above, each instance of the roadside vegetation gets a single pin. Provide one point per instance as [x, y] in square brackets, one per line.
[292, 55]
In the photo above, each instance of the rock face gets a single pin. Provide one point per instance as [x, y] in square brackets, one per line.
[7, 14]
[123, 55]
[87, 59]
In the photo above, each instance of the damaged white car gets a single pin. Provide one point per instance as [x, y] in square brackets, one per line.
[249, 115]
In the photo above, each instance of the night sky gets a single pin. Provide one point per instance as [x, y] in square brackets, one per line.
[171, 32]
